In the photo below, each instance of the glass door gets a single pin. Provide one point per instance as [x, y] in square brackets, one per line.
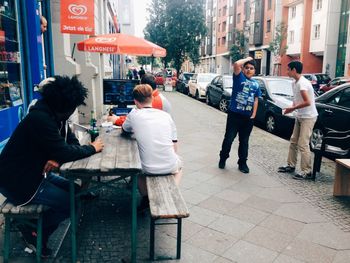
[11, 90]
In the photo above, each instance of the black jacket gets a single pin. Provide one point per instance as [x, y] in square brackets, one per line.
[39, 137]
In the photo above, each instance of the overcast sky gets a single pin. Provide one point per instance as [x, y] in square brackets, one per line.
[140, 16]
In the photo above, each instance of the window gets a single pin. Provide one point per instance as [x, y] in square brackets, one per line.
[317, 31]
[345, 99]
[231, 2]
[230, 19]
[219, 41]
[224, 9]
[268, 26]
[238, 18]
[229, 36]
[223, 41]
[219, 27]
[223, 27]
[219, 12]
[318, 5]
[293, 11]
[291, 37]
[269, 4]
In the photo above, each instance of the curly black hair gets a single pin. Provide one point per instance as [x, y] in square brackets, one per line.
[63, 94]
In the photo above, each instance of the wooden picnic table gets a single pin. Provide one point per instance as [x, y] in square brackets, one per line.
[118, 160]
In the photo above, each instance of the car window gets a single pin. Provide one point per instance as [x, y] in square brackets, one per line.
[322, 78]
[262, 86]
[187, 76]
[345, 98]
[215, 80]
[308, 77]
[280, 87]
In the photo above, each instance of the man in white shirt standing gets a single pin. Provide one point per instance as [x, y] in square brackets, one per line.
[306, 115]
[156, 137]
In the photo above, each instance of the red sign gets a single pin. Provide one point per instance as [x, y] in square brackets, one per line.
[77, 17]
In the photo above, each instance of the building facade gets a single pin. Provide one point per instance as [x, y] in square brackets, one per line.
[317, 33]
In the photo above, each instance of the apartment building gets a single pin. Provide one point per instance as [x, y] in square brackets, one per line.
[317, 34]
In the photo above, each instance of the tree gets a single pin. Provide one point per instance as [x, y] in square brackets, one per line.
[155, 29]
[178, 28]
[144, 60]
[276, 46]
[237, 50]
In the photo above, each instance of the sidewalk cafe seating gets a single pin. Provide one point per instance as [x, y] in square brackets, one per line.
[340, 139]
[22, 215]
[166, 202]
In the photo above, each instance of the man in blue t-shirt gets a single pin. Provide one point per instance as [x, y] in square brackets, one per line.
[240, 116]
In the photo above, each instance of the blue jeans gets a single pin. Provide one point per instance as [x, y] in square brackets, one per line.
[243, 125]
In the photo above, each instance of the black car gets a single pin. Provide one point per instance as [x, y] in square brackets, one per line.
[276, 94]
[334, 113]
[182, 82]
[219, 92]
[317, 79]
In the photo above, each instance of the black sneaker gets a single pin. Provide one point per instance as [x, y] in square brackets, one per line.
[222, 163]
[29, 237]
[243, 167]
[303, 176]
[286, 169]
[144, 205]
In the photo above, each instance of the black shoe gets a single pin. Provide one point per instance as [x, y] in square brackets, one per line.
[222, 163]
[243, 167]
[286, 169]
[144, 205]
[29, 237]
[303, 176]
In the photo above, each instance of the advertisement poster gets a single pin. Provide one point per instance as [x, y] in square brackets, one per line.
[77, 17]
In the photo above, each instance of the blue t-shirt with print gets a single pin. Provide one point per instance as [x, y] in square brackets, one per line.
[244, 92]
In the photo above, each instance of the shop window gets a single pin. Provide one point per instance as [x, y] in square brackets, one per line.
[10, 71]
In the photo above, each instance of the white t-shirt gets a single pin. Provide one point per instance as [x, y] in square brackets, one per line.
[155, 134]
[309, 111]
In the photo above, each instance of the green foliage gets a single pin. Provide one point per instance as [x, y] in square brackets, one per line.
[275, 46]
[178, 27]
[237, 50]
[144, 60]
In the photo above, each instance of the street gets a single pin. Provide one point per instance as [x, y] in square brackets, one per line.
[258, 217]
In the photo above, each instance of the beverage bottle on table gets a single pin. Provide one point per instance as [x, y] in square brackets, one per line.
[94, 133]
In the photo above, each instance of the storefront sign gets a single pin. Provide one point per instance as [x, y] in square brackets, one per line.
[77, 17]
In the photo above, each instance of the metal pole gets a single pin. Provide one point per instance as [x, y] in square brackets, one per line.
[247, 28]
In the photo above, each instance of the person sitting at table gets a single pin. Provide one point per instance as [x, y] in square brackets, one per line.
[158, 100]
[156, 137]
[40, 143]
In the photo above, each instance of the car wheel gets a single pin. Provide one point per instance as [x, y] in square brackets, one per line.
[270, 123]
[316, 138]
[207, 99]
[223, 105]
[197, 95]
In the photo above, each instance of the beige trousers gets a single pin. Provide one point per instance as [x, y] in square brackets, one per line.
[300, 141]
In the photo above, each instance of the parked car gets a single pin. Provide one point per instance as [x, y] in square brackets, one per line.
[334, 113]
[182, 82]
[317, 79]
[276, 94]
[160, 80]
[197, 86]
[333, 83]
[219, 92]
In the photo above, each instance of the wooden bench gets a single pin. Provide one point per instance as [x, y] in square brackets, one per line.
[342, 178]
[166, 202]
[23, 215]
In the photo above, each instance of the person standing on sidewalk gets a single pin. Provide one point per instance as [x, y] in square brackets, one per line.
[242, 111]
[306, 115]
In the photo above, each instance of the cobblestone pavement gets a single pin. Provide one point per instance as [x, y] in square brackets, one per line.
[261, 217]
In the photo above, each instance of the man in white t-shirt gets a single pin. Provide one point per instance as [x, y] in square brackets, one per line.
[156, 137]
[306, 115]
